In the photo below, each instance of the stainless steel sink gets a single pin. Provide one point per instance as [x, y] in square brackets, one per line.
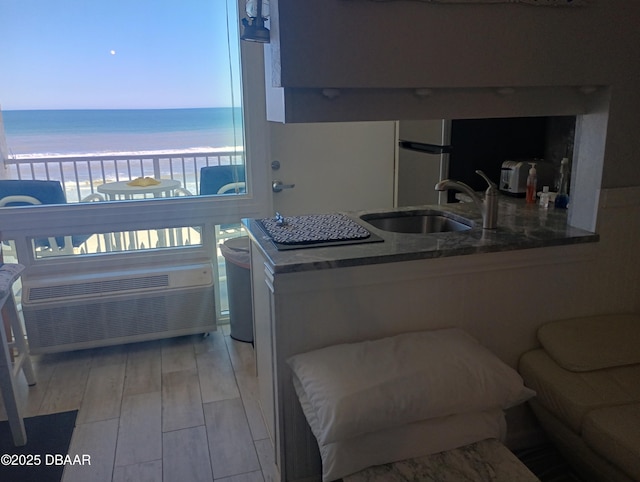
[416, 221]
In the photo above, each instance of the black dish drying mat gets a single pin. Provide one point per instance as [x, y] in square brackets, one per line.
[315, 230]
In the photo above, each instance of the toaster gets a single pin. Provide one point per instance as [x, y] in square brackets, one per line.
[513, 177]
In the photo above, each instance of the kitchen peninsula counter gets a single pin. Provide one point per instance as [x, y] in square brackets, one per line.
[520, 226]
[477, 280]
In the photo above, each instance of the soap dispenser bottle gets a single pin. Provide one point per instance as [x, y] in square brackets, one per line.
[532, 181]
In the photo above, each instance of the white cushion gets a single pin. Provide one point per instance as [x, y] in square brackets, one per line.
[570, 396]
[614, 433]
[593, 342]
[359, 388]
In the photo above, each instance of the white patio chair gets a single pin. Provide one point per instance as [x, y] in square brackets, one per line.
[50, 192]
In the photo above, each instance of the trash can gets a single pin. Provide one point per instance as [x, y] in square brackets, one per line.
[238, 265]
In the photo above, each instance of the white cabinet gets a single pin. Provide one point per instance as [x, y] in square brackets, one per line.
[262, 284]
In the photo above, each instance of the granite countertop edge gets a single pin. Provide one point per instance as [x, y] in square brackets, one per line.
[520, 226]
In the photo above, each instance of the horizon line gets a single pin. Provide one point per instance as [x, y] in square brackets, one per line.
[122, 108]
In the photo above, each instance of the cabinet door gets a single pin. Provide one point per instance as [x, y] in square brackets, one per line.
[262, 318]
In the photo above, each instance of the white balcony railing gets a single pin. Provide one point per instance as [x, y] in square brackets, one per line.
[80, 176]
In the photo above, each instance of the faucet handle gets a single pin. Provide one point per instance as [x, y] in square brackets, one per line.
[492, 185]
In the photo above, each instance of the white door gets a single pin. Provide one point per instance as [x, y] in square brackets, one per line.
[346, 166]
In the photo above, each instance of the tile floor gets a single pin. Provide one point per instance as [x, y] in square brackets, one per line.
[183, 409]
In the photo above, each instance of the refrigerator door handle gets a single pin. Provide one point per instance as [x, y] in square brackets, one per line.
[426, 148]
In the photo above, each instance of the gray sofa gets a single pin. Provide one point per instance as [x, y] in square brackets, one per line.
[587, 378]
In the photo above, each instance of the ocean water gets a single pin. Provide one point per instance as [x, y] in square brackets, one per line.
[45, 133]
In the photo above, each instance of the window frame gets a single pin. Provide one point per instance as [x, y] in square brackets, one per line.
[20, 223]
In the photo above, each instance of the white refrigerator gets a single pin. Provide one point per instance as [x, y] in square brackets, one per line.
[423, 160]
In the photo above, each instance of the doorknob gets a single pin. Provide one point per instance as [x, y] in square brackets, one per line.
[278, 186]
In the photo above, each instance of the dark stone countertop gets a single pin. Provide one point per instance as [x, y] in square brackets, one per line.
[520, 226]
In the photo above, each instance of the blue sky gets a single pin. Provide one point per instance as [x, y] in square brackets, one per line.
[115, 54]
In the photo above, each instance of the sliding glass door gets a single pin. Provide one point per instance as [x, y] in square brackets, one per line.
[147, 119]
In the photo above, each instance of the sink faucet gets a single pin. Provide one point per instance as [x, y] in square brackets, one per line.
[488, 207]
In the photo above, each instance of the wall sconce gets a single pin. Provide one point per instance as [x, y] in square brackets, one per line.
[254, 29]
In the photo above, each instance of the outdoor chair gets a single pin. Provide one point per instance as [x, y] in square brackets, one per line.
[222, 179]
[32, 192]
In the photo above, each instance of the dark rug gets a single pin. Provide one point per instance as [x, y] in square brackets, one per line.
[547, 464]
[47, 437]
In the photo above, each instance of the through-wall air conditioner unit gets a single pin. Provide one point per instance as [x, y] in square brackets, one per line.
[88, 310]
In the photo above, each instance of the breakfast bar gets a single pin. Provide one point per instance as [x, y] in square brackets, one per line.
[314, 297]
[521, 226]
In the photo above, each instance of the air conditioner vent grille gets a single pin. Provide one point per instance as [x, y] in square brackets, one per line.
[145, 316]
[98, 287]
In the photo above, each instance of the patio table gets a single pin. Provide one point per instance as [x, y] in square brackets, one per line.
[122, 189]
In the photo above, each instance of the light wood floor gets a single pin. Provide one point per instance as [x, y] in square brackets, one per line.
[182, 410]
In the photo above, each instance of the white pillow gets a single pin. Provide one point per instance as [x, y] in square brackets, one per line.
[365, 387]
[416, 439]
